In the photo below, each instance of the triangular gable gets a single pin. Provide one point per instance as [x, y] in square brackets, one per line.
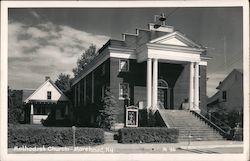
[175, 38]
[41, 93]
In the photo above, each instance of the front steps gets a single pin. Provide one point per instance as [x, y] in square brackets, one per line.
[109, 137]
[190, 127]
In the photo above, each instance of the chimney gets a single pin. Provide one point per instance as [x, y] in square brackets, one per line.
[46, 78]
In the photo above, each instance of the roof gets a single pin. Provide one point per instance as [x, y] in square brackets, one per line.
[52, 83]
[229, 75]
[134, 41]
[27, 93]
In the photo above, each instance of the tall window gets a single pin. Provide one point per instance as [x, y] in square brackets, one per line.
[124, 65]
[49, 95]
[123, 90]
[224, 95]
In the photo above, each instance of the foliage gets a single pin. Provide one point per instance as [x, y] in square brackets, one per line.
[63, 82]
[51, 121]
[86, 57]
[106, 118]
[231, 118]
[37, 136]
[238, 134]
[14, 105]
[148, 135]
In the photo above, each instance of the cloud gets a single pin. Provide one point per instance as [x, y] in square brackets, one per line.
[44, 49]
[35, 14]
[213, 81]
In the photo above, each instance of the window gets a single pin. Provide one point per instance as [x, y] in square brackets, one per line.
[124, 65]
[123, 90]
[49, 95]
[224, 95]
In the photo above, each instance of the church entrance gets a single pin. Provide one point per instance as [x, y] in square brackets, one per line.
[163, 95]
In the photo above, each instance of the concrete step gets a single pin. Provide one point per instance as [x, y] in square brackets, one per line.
[189, 124]
[109, 137]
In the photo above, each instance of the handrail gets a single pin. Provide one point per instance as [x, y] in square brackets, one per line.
[224, 124]
[228, 127]
[211, 123]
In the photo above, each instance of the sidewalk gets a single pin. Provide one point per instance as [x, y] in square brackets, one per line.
[182, 147]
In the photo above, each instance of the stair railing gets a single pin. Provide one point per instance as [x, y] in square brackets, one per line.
[220, 130]
[221, 124]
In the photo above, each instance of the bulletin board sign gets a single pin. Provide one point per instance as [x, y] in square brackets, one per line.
[131, 116]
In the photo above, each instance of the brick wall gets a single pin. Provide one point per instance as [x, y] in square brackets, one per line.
[181, 88]
[203, 89]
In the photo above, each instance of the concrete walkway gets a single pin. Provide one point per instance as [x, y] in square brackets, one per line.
[182, 147]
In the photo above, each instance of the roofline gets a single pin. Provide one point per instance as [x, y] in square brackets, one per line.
[234, 70]
[175, 47]
[102, 57]
[49, 80]
[205, 57]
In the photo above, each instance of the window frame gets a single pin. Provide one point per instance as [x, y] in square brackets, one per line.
[224, 95]
[49, 95]
[120, 96]
[121, 70]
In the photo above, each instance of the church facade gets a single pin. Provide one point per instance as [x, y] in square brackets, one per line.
[156, 68]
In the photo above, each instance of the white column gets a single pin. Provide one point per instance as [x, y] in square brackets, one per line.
[196, 87]
[191, 86]
[155, 82]
[149, 83]
[31, 113]
[31, 109]
[92, 89]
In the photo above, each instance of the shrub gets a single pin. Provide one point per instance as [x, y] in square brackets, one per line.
[238, 134]
[148, 135]
[106, 118]
[31, 136]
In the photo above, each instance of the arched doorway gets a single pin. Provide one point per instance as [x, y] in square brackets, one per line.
[163, 94]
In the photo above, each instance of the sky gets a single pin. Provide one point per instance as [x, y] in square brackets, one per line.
[46, 42]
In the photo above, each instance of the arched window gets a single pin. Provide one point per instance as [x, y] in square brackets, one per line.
[162, 84]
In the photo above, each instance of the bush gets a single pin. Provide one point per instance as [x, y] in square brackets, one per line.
[148, 135]
[238, 134]
[107, 113]
[31, 136]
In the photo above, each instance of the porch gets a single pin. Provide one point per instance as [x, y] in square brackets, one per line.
[38, 110]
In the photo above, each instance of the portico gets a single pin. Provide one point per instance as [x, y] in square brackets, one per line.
[152, 85]
[188, 54]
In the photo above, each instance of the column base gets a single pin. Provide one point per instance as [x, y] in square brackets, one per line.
[196, 110]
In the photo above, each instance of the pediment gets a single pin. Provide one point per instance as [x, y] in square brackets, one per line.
[176, 39]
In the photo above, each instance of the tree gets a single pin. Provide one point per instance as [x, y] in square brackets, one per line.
[14, 106]
[106, 118]
[63, 82]
[85, 59]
